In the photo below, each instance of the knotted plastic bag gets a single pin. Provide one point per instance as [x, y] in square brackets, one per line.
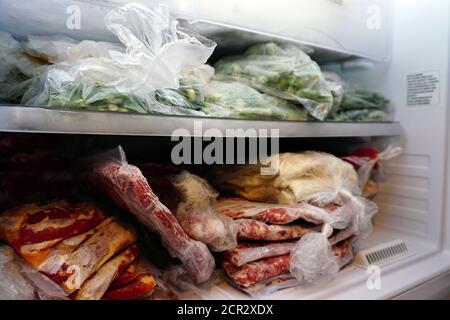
[154, 53]
[312, 259]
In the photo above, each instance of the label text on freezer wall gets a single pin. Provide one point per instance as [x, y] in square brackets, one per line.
[423, 88]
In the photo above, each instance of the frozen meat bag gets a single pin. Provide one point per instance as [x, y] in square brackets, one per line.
[198, 215]
[124, 185]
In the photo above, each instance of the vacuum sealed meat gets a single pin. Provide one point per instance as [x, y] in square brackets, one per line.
[125, 185]
[239, 208]
[248, 252]
[256, 271]
[32, 229]
[250, 229]
[198, 215]
[142, 286]
[112, 238]
[95, 287]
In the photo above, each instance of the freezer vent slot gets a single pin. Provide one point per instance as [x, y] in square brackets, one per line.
[383, 254]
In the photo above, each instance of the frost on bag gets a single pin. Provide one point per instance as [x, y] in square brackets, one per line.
[198, 215]
[154, 54]
[284, 71]
[238, 100]
[13, 285]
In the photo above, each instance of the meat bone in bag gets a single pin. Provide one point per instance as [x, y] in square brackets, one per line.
[125, 186]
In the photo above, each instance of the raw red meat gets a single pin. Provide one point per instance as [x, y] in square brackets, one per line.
[248, 252]
[250, 229]
[256, 271]
[125, 185]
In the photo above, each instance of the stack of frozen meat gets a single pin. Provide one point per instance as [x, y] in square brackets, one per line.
[296, 225]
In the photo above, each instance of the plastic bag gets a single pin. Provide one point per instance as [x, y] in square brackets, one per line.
[155, 53]
[13, 285]
[238, 208]
[16, 69]
[55, 49]
[124, 184]
[314, 177]
[312, 260]
[198, 215]
[284, 71]
[248, 252]
[238, 100]
[366, 160]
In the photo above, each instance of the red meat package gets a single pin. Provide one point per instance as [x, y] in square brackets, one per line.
[125, 186]
[257, 272]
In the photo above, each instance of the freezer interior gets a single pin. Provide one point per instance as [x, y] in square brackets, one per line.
[412, 46]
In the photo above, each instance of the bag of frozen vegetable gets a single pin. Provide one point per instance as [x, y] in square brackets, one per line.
[155, 53]
[16, 69]
[237, 100]
[284, 71]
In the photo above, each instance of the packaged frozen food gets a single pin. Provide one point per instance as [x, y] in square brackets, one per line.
[227, 99]
[246, 252]
[95, 287]
[197, 213]
[285, 71]
[152, 54]
[13, 284]
[32, 229]
[240, 208]
[125, 186]
[249, 229]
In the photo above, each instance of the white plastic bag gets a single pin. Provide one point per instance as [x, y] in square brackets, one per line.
[198, 215]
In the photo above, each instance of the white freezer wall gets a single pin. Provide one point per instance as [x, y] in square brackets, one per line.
[413, 197]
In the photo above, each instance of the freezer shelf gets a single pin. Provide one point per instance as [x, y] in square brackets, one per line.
[40, 120]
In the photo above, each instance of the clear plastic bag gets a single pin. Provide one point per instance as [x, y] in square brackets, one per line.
[198, 215]
[314, 177]
[284, 71]
[125, 185]
[13, 285]
[16, 69]
[366, 160]
[238, 100]
[155, 52]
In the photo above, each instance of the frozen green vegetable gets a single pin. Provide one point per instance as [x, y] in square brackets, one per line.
[360, 115]
[237, 100]
[284, 71]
